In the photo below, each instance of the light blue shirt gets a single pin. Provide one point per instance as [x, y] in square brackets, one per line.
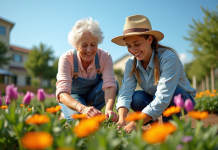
[172, 74]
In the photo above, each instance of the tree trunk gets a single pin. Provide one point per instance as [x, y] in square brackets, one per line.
[203, 85]
[212, 78]
[207, 82]
[194, 82]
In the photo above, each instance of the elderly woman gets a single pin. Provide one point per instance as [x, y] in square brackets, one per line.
[85, 79]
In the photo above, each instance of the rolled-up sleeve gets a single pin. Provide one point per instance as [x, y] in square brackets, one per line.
[128, 87]
[108, 74]
[64, 77]
[167, 83]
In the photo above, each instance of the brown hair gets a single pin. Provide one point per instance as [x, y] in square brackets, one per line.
[154, 45]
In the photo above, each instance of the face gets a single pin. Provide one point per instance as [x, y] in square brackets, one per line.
[139, 47]
[87, 47]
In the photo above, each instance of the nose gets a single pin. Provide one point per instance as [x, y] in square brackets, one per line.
[89, 48]
[132, 49]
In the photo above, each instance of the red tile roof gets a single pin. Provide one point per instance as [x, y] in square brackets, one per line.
[19, 49]
[17, 68]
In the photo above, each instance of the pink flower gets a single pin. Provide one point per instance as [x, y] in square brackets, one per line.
[11, 92]
[32, 95]
[41, 95]
[27, 98]
[189, 105]
[0, 100]
[179, 101]
[7, 100]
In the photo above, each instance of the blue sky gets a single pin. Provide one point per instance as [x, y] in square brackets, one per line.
[49, 21]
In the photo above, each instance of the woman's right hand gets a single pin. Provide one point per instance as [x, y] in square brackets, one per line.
[91, 111]
[121, 123]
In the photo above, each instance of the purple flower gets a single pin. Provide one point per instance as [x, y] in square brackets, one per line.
[179, 101]
[187, 139]
[27, 98]
[11, 92]
[7, 100]
[0, 100]
[179, 147]
[41, 95]
[189, 105]
[32, 95]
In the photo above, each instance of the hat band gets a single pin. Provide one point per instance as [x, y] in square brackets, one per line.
[135, 30]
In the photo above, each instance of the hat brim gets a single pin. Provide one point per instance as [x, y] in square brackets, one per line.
[119, 39]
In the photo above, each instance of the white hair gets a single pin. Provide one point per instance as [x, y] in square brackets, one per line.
[85, 25]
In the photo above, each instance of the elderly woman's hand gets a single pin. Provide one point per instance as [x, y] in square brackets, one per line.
[91, 111]
[109, 113]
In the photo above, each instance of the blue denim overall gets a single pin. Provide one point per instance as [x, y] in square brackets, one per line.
[86, 91]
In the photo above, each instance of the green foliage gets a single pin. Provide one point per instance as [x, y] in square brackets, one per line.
[38, 62]
[3, 51]
[207, 103]
[119, 75]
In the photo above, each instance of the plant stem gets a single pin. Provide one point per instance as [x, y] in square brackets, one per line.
[43, 107]
[18, 136]
[197, 130]
[183, 114]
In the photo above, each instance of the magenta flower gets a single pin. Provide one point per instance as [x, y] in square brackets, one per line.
[27, 99]
[32, 95]
[0, 100]
[189, 105]
[41, 95]
[7, 100]
[11, 92]
[179, 147]
[187, 139]
[179, 101]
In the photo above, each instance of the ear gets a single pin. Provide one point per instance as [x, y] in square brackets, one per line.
[150, 39]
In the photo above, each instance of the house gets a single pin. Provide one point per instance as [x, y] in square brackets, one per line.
[121, 62]
[15, 71]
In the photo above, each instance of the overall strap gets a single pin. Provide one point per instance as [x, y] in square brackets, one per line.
[97, 65]
[75, 62]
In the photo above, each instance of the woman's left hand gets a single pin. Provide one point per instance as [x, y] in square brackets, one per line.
[109, 113]
[129, 127]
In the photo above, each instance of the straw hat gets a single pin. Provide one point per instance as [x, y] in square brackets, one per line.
[137, 25]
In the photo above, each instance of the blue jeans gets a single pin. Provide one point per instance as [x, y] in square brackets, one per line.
[95, 97]
[140, 100]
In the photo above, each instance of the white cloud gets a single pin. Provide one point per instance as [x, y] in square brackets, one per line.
[184, 58]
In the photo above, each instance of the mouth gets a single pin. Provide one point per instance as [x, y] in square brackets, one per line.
[137, 54]
[88, 54]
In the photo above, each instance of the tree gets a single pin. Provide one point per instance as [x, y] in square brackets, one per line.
[38, 62]
[203, 37]
[3, 51]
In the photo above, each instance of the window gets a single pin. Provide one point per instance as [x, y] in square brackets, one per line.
[17, 58]
[28, 80]
[2, 30]
[1, 78]
[14, 80]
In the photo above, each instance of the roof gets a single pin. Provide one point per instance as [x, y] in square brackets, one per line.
[17, 68]
[15, 48]
[5, 72]
[122, 58]
[8, 22]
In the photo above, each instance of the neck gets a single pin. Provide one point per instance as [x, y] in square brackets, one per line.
[147, 59]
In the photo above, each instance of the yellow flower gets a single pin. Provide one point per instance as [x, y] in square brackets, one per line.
[79, 116]
[37, 140]
[86, 127]
[214, 91]
[37, 119]
[4, 107]
[135, 116]
[53, 109]
[171, 110]
[212, 95]
[158, 133]
[198, 114]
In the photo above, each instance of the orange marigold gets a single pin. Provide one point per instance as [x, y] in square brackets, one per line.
[53, 109]
[21, 105]
[37, 140]
[171, 110]
[79, 116]
[37, 119]
[4, 107]
[162, 131]
[214, 91]
[99, 118]
[86, 127]
[29, 109]
[135, 116]
[198, 114]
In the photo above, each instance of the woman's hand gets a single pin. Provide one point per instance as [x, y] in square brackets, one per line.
[121, 123]
[128, 128]
[109, 113]
[91, 111]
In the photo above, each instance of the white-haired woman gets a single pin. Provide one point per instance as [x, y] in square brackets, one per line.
[156, 68]
[85, 79]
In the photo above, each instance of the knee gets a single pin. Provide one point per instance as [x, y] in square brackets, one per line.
[137, 100]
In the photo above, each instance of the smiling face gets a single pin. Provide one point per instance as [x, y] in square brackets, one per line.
[87, 47]
[140, 47]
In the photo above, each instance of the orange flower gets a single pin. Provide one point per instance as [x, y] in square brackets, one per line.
[135, 116]
[86, 127]
[53, 109]
[212, 95]
[29, 109]
[79, 116]
[198, 114]
[162, 131]
[37, 119]
[214, 91]
[171, 110]
[4, 107]
[21, 105]
[99, 118]
[37, 140]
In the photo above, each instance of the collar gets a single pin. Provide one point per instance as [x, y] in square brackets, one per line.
[151, 62]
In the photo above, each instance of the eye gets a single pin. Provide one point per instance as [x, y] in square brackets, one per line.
[137, 44]
[84, 45]
[128, 46]
[93, 45]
